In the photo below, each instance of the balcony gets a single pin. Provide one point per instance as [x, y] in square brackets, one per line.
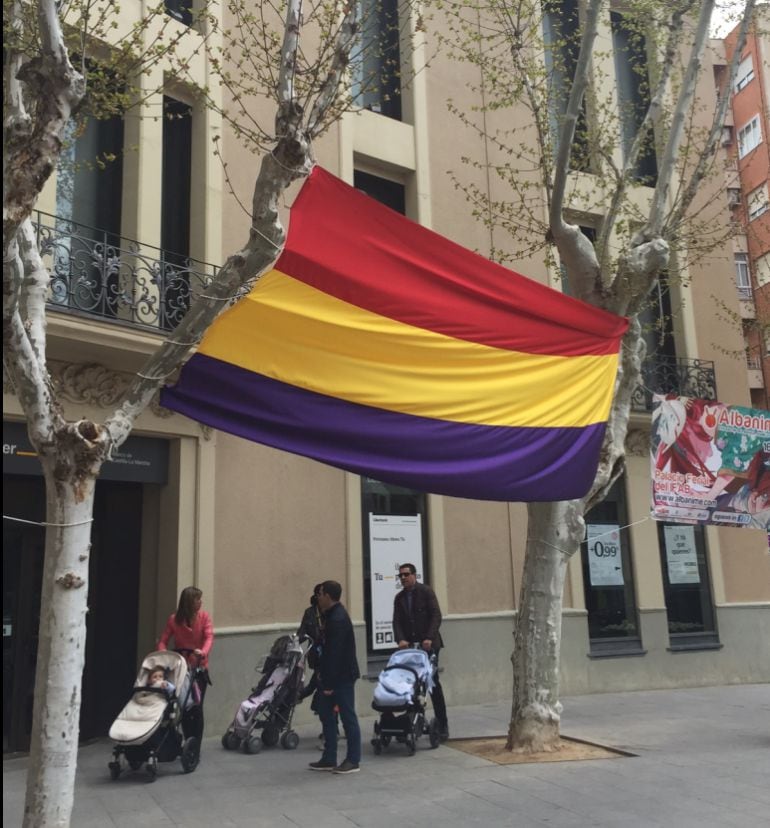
[99, 275]
[672, 375]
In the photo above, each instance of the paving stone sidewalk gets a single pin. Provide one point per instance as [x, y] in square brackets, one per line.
[702, 759]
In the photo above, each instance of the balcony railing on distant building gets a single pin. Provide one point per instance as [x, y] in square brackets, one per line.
[672, 375]
[97, 274]
[745, 293]
[753, 362]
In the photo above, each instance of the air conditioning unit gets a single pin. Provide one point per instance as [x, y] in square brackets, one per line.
[733, 196]
[727, 136]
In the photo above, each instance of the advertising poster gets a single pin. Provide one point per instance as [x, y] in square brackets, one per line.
[710, 463]
[681, 555]
[605, 565]
[393, 540]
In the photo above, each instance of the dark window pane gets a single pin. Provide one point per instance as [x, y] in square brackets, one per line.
[180, 10]
[377, 59]
[686, 581]
[389, 193]
[607, 570]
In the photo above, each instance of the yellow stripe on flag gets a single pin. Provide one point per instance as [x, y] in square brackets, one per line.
[294, 333]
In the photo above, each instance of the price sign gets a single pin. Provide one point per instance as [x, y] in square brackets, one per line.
[605, 563]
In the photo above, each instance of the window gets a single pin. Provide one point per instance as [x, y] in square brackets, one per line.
[757, 202]
[686, 586]
[742, 275]
[180, 10]
[734, 196]
[630, 54]
[389, 193]
[610, 594]
[89, 194]
[175, 210]
[561, 34]
[377, 66]
[749, 137]
[762, 270]
[745, 73]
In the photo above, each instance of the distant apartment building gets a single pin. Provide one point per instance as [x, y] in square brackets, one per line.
[746, 139]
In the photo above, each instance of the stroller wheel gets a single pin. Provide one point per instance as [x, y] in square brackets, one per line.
[289, 740]
[152, 769]
[114, 769]
[377, 745]
[253, 744]
[270, 735]
[386, 741]
[191, 754]
[434, 736]
[230, 741]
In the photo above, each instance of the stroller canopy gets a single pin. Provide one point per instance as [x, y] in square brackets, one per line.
[397, 682]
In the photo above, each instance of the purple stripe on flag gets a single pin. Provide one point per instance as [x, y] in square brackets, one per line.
[459, 459]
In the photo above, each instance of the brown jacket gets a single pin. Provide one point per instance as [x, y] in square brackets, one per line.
[425, 618]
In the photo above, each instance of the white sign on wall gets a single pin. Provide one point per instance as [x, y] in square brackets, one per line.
[605, 564]
[393, 540]
[681, 555]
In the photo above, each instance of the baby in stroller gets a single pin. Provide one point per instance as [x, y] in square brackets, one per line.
[270, 705]
[400, 698]
[149, 729]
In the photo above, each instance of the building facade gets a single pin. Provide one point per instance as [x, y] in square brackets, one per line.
[255, 528]
[747, 140]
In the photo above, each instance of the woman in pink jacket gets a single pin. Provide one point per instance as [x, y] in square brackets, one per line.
[193, 633]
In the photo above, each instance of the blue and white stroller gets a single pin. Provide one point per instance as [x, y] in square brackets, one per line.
[401, 697]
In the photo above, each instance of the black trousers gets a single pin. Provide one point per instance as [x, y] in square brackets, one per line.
[192, 720]
[437, 699]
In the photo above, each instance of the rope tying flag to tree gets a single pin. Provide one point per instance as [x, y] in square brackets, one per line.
[377, 346]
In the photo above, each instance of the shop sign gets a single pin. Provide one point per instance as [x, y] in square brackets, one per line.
[605, 563]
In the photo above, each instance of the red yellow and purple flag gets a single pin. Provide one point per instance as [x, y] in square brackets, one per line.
[380, 347]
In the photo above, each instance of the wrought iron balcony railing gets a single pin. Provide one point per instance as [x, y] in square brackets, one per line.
[672, 375]
[98, 274]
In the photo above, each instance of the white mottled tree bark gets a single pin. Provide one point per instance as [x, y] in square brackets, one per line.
[71, 453]
[556, 530]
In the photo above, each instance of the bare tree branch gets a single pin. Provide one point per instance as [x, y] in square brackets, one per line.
[657, 215]
[698, 174]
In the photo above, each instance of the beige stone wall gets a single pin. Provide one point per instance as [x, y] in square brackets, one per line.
[280, 530]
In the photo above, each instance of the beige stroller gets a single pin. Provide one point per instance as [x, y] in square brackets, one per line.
[149, 728]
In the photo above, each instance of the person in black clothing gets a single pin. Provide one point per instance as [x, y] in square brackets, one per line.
[337, 675]
[416, 620]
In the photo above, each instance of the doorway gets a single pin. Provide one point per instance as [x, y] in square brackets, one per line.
[113, 600]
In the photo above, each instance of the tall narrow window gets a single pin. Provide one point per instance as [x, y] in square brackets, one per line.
[742, 276]
[89, 189]
[561, 33]
[608, 575]
[175, 210]
[687, 587]
[377, 59]
[630, 53]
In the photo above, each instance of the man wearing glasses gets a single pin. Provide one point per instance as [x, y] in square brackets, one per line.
[416, 620]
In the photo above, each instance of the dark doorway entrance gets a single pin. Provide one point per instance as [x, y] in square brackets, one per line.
[113, 604]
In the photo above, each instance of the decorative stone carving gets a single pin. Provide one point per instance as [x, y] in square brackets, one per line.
[88, 383]
[638, 443]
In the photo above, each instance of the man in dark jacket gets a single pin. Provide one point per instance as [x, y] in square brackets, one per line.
[337, 675]
[416, 620]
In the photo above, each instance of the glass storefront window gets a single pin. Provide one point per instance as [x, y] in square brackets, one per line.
[687, 586]
[608, 576]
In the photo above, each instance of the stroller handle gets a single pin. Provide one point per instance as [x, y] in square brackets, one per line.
[185, 651]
